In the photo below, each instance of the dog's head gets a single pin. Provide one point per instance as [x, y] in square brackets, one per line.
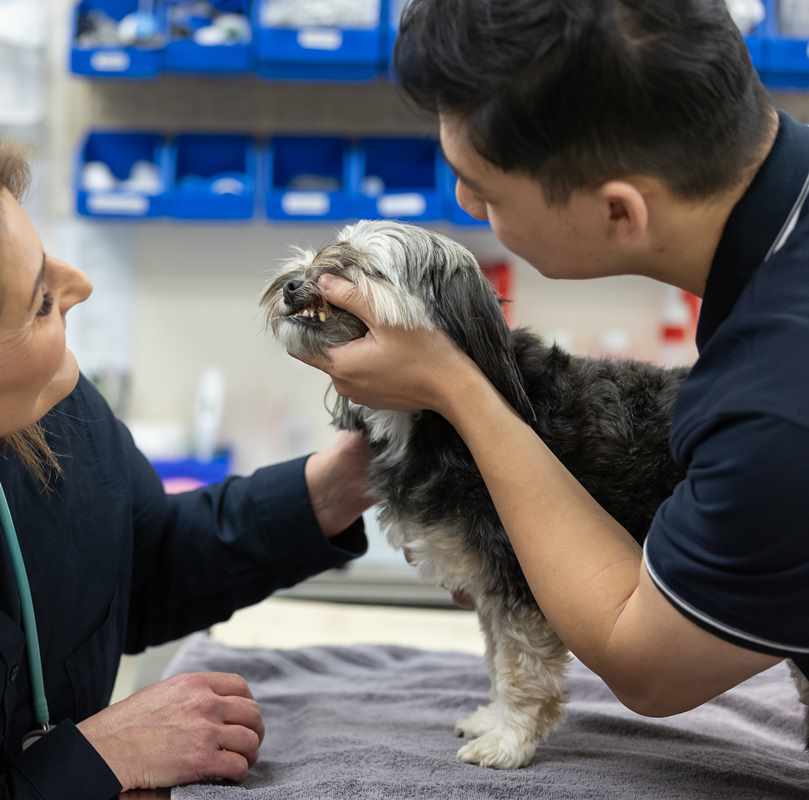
[411, 278]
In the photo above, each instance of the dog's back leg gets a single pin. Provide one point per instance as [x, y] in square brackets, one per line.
[529, 665]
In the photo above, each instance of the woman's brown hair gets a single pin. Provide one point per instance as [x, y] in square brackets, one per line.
[29, 445]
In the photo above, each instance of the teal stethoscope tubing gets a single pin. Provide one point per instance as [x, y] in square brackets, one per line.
[28, 616]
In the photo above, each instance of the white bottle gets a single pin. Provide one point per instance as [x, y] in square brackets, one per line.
[676, 344]
[208, 412]
[614, 344]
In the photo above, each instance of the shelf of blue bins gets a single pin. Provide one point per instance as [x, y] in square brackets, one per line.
[454, 211]
[190, 473]
[784, 39]
[341, 40]
[122, 175]
[214, 177]
[309, 178]
[118, 38]
[399, 178]
[213, 37]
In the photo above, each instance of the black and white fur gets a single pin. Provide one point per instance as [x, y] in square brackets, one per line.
[608, 422]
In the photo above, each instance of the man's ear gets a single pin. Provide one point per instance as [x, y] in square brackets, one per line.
[626, 212]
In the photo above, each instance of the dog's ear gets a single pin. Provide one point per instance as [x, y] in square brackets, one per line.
[468, 310]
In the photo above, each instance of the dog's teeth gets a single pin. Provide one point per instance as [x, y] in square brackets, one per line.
[322, 316]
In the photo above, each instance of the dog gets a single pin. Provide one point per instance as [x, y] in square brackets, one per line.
[608, 422]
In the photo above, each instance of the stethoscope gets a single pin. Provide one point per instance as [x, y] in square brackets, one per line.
[29, 625]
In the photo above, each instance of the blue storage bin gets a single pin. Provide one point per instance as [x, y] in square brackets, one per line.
[454, 212]
[306, 161]
[184, 54]
[410, 176]
[190, 469]
[214, 177]
[120, 152]
[319, 52]
[115, 61]
[784, 60]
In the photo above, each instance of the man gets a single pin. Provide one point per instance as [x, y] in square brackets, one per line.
[630, 137]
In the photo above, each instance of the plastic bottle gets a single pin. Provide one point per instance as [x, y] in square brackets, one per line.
[676, 344]
[208, 412]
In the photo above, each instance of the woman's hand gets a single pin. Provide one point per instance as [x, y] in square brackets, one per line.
[186, 729]
[337, 479]
[391, 368]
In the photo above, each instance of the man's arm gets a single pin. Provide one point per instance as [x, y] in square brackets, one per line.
[587, 572]
[584, 569]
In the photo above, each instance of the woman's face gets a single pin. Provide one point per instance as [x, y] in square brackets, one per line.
[37, 371]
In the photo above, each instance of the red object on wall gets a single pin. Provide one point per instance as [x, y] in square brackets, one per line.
[501, 276]
[694, 303]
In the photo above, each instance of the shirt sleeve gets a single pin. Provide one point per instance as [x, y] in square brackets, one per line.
[730, 548]
[61, 766]
[200, 556]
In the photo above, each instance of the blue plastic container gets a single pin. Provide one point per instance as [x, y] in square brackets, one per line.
[295, 167]
[400, 179]
[120, 151]
[204, 472]
[319, 53]
[455, 213]
[214, 177]
[184, 55]
[784, 60]
[115, 61]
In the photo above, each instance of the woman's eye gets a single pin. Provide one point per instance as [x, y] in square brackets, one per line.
[47, 305]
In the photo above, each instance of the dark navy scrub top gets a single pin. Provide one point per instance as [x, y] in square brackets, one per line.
[115, 566]
[730, 549]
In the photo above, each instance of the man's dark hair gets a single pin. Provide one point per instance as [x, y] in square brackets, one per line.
[577, 92]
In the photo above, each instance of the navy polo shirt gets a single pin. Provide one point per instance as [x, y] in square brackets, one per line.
[730, 548]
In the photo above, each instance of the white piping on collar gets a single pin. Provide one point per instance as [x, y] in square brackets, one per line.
[791, 221]
[719, 626]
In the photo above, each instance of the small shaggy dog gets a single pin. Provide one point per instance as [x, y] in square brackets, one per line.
[608, 422]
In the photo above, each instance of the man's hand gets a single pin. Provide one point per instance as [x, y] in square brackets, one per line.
[337, 480]
[391, 368]
[187, 729]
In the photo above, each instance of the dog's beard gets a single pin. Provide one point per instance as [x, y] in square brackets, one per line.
[308, 327]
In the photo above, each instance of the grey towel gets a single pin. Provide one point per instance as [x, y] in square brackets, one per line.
[375, 723]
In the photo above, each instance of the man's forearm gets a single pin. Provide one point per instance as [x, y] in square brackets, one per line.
[582, 566]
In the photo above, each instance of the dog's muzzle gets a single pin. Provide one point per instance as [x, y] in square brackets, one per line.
[304, 303]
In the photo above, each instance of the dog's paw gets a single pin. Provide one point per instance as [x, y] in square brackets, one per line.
[477, 723]
[499, 749]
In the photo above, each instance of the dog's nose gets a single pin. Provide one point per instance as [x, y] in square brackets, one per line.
[290, 290]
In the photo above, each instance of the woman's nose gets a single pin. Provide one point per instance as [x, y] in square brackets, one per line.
[74, 286]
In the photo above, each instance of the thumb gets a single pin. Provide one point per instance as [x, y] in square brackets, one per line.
[344, 294]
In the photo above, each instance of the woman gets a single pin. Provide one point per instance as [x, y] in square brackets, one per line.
[116, 566]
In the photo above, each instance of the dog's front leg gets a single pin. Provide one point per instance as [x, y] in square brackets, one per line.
[485, 718]
[529, 662]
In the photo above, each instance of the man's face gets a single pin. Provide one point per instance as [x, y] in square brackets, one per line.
[570, 241]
